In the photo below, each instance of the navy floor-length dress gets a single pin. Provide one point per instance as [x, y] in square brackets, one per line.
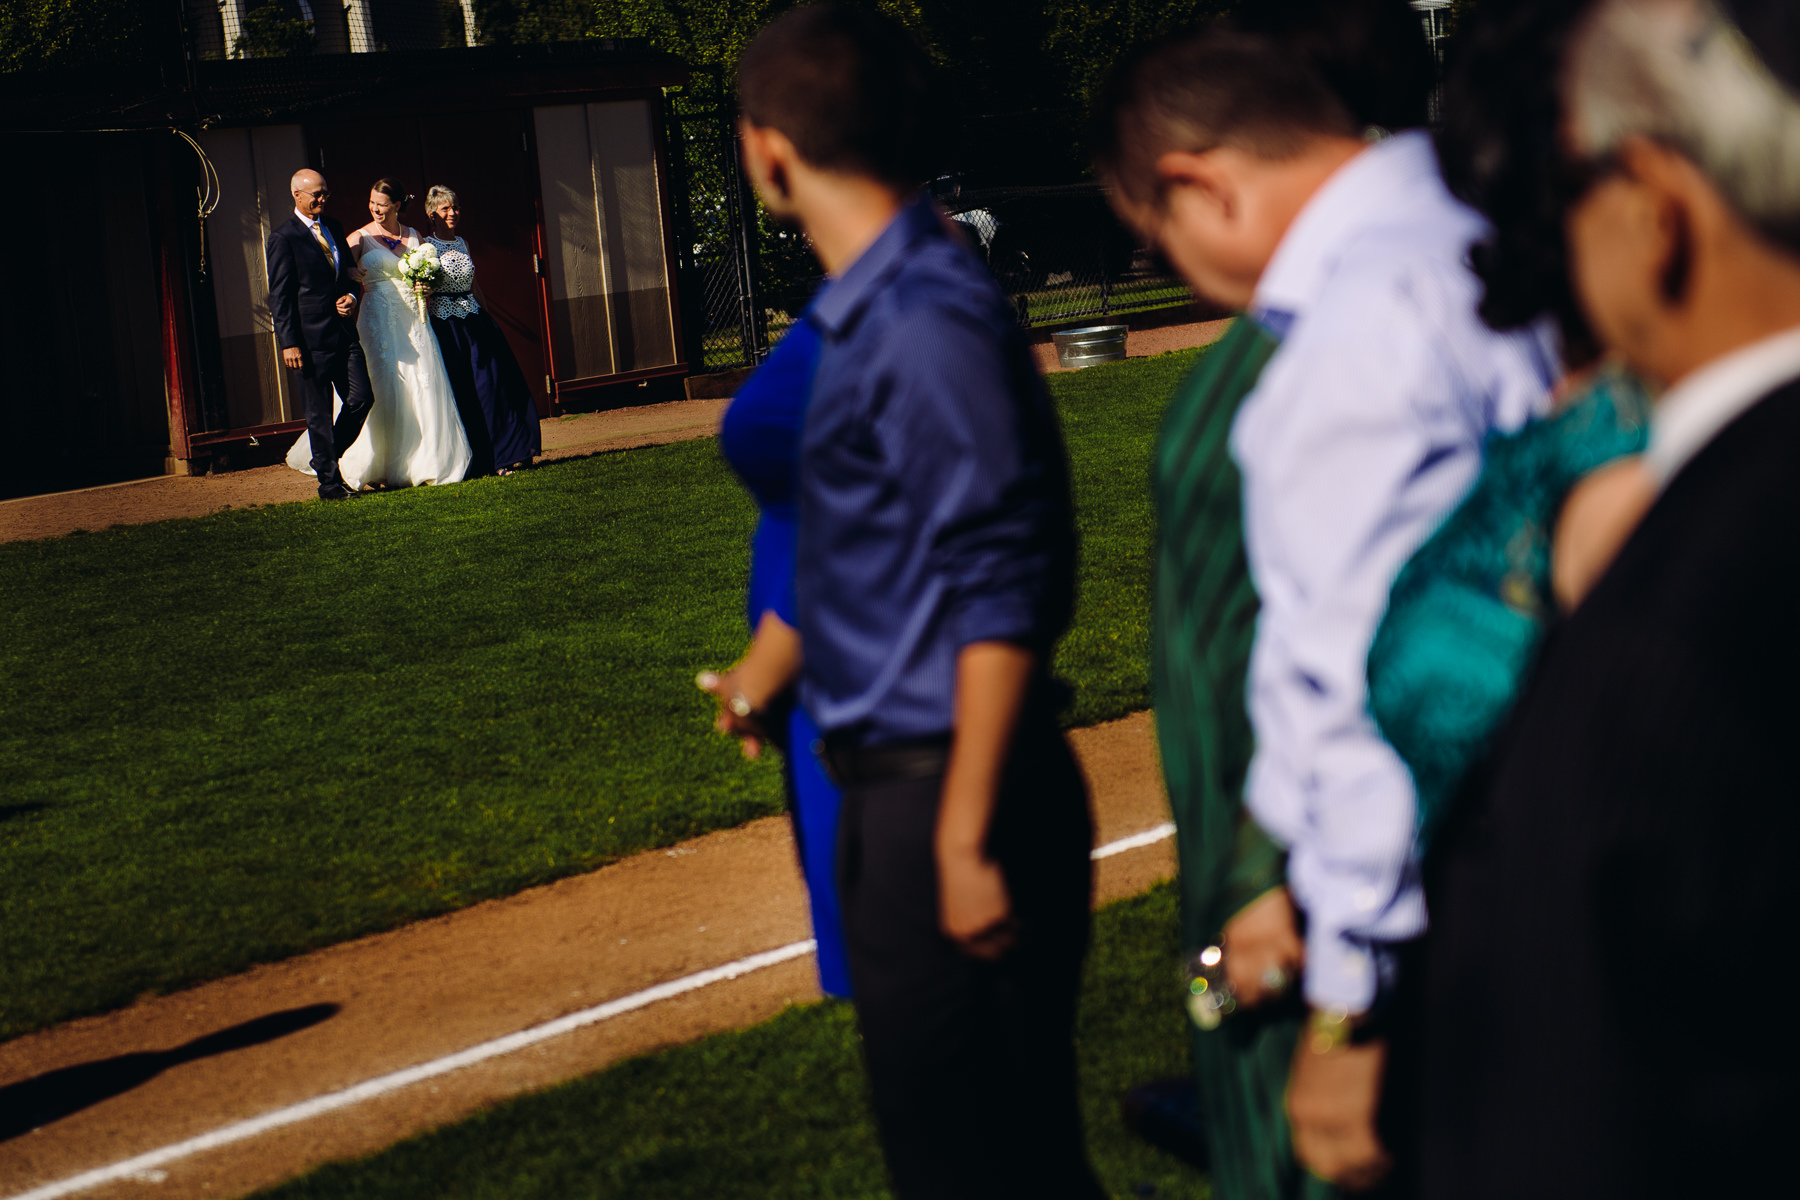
[497, 410]
[760, 437]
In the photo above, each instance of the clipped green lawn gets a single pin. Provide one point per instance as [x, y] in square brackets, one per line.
[231, 739]
[781, 1109]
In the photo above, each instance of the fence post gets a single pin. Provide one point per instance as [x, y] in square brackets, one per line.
[755, 332]
[691, 275]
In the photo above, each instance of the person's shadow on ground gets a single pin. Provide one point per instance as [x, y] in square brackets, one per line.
[31, 1103]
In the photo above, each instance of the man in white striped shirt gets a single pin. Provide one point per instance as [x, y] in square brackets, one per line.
[1363, 431]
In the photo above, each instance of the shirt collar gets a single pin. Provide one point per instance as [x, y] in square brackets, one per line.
[1358, 194]
[845, 295]
[306, 220]
[1691, 414]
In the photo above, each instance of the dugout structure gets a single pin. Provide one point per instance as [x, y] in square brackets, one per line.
[137, 331]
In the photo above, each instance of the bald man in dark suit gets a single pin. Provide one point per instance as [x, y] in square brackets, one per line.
[313, 300]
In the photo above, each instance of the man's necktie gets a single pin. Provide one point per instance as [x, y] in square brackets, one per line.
[318, 232]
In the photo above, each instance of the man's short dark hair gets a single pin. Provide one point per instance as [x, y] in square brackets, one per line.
[847, 86]
[1216, 87]
[1266, 81]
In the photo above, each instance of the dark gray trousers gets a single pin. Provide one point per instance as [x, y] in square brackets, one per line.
[345, 372]
[971, 1063]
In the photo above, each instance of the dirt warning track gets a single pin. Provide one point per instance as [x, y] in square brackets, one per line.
[105, 1090]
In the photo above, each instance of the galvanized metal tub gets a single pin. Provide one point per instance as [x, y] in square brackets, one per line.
[1077, 348]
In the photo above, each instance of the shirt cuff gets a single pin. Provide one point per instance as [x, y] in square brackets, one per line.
[1339, 972]
[997, 619]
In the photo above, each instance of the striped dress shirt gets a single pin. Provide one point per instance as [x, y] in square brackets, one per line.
[1362, 433]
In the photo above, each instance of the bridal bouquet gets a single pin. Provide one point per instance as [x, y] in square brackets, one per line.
[421, 266]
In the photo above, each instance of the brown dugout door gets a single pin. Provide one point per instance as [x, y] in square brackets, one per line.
[610, 302]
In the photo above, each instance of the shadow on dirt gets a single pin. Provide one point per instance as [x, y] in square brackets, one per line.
[38, 1101]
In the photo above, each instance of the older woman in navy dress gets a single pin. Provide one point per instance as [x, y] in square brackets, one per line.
[760, 437]
[491, 393]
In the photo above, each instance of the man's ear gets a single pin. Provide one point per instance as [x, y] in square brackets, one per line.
[768, 155]
[1206, 174]
[1673, 189]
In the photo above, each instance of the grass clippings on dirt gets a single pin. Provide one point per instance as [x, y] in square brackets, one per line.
[231, 739]
[781, 1109]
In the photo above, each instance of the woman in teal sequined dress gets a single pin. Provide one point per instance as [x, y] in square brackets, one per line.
[1468, 612]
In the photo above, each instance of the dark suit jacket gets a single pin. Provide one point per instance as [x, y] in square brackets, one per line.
[1613, 908]
[304, 291]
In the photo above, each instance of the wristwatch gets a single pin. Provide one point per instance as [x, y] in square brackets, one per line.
[1329, 1029]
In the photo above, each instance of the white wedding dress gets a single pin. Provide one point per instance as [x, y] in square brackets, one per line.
[413, 434]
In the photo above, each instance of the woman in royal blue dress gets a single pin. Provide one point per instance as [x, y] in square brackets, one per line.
[497, 410]
[760, 438]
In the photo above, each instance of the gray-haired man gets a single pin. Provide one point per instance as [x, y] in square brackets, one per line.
[1606, 1013]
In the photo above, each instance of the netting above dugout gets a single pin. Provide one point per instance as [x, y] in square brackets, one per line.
[281, 28]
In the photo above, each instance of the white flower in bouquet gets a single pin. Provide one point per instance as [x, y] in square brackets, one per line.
[420, 268]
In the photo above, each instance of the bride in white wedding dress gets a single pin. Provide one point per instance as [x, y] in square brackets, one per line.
[413, 434]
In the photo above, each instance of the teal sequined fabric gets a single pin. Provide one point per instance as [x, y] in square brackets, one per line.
[1468, 611]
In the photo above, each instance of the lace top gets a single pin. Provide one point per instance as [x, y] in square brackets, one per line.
[1468, 612]
[455, 297]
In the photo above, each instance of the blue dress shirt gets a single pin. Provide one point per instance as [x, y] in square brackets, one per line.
[1362, 433]
[934, 494]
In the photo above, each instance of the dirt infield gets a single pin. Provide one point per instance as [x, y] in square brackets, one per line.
[564, 437]
[199, 496]
[178, 1066]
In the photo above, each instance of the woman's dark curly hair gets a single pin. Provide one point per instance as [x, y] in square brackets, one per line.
[1499, 147]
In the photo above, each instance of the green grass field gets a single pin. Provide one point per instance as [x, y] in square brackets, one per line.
[780, 1109]
[227, 740]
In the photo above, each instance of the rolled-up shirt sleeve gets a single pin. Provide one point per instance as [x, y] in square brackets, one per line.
[965, 421]
[1360, 437]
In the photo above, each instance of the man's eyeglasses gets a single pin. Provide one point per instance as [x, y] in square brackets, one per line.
[321, 194]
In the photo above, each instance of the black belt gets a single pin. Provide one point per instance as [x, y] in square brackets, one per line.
[896, 760]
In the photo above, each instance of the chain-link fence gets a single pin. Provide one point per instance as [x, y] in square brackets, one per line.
[1058, 251]
[1061, 253]
[726, 326]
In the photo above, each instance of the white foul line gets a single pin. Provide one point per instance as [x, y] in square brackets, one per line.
[1147, 838]
[383, 1084]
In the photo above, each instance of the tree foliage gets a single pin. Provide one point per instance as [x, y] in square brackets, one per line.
[997, 56]
[64, 34]
[270, 33]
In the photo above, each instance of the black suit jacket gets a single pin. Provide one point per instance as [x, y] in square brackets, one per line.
[1613, 908]
[304, 291]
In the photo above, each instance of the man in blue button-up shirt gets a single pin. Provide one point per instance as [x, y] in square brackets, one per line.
[935, 572]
